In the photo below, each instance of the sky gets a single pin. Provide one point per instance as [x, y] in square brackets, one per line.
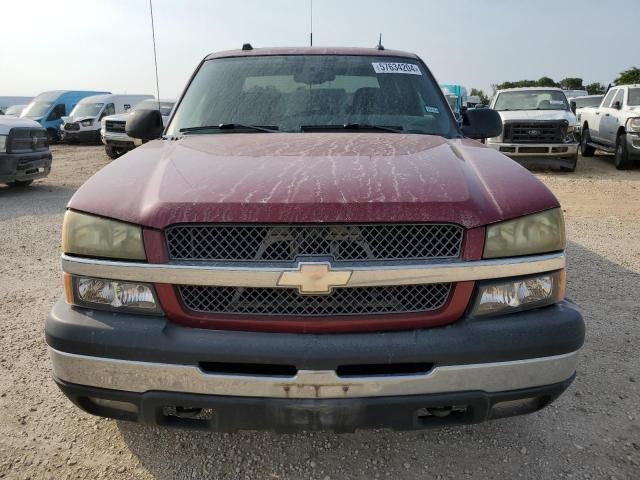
[107, 44]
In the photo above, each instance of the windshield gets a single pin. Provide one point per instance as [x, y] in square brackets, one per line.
[151, 104]
[14, 110]
[37, 109]
[87, 110]
[588, 101]
[634, 96]
[291, 92]
[532, 100]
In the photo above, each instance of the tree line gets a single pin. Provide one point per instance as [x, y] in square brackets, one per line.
[626, 77]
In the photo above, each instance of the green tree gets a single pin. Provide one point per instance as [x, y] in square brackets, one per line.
[595, 88]
[483, 97]
[571, 83]
[629, 76]
[546, 82]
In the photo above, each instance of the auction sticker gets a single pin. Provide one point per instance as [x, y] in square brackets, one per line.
[388, 67]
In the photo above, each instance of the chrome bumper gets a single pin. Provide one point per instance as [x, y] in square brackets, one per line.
[140, 377]
[235, 276]
[535, 150]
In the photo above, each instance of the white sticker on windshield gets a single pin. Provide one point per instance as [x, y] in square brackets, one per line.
[556, 102]
[431, 109]
[388, 67]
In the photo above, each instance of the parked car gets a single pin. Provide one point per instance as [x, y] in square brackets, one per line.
[48, 108]
[112, 130]
[8, 101]
[312, 244]
[614, 126]
[83, 125]
[537, 127]
[14, 110]
[24, 151]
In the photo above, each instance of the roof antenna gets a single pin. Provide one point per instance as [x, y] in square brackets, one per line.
[380, 46]
[311, 23]
[155, 56]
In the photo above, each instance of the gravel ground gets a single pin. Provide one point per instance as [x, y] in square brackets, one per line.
[593, 431]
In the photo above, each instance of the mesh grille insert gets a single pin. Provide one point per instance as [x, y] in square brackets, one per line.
[342, 301]
[273, 243]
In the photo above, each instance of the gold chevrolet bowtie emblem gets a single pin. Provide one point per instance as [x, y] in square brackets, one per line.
[314, 278]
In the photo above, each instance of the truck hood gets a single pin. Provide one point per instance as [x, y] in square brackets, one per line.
[538, 115]
[117, 116]
[9, 122]
[312, 177]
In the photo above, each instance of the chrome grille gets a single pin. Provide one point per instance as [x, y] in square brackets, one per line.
[341, 301]
[25, 140]
[535, 132]
[281, 243]
[115, 126]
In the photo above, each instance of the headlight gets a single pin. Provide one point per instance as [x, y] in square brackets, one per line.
[107, 294]
[514, 295]
[633, 125]
[538, 233]
[87, 123]
[3, 143]
[92, 236]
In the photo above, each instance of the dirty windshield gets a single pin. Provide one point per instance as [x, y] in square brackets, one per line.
[297, 93]
[532, 100]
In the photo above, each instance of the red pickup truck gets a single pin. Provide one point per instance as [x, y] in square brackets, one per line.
[313, 242]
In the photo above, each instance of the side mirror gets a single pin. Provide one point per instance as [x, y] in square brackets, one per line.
[573, 106]
[481, 123]
[617, 105]
[144, 124]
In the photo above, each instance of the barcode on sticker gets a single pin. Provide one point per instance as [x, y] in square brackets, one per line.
[388, 67]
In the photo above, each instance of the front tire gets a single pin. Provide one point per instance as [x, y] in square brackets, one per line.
[586, 150]
[52, 136]
[111, 152]
[622, 160]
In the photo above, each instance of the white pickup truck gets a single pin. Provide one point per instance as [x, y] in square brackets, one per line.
[614, 126]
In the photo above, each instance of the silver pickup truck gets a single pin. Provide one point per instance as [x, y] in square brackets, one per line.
[614, 126]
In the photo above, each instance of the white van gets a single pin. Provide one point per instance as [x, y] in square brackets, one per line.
[83, 124]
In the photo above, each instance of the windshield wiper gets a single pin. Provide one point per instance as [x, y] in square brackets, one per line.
[350, 126]
[231, 126]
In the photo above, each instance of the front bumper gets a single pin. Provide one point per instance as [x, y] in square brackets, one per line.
[24, 166]
[81, 135]
[153, 365]
[118, 140]
[539, 155]
[633, 145]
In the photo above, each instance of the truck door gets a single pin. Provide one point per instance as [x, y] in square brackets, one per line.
[594, 123]
[609, 119]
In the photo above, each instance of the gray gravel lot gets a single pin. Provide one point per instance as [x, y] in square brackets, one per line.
[593, 431]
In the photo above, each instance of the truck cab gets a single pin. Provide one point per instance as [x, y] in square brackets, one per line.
[48, 108]
[614, 126]
[83, 124]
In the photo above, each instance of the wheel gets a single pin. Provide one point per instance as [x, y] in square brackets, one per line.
[52, 136]
[572, 167]
[586, 150]
[111, 152]
[622, 160]
[20, 183]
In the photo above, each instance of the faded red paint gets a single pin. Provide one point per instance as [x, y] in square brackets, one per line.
[311, 178]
